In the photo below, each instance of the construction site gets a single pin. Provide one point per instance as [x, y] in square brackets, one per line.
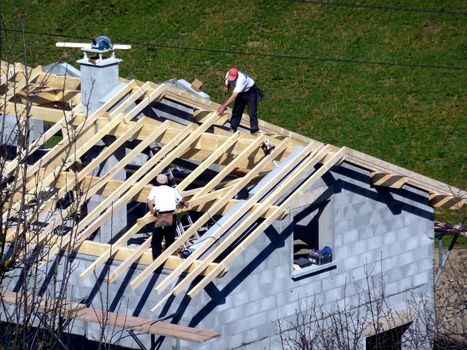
[250, 245]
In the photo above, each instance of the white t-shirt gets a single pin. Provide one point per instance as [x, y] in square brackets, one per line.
[242, 84]
[165, 198]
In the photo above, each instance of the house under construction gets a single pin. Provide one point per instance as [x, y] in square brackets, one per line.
[259, 207]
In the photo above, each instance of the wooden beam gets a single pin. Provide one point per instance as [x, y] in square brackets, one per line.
[60, 82]
[17, 86]
[416, 180]
[80, 312]
[265, 224]
[208, 161]
[446, 201]
[52, 115]
[388, 179]
[201, 204]
[97, 249]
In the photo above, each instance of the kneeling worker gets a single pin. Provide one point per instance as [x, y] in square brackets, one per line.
[162, 202]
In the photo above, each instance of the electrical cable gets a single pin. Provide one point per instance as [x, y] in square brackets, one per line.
[265, 55]
[385, 8]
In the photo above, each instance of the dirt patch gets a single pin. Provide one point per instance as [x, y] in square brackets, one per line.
[451, 298]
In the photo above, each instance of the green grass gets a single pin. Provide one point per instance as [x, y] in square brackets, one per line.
[411, 116]
[461, 242]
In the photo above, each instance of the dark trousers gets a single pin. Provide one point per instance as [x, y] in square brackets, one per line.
[160, 233]
[249, 98]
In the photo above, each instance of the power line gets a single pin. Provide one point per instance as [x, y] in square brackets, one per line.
[263, 55]
[386, 8]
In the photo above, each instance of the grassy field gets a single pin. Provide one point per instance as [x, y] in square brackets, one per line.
[388, 79]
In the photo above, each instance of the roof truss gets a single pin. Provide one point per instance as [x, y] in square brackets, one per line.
[237, 158]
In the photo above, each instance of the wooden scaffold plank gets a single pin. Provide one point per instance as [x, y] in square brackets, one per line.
[110, 319]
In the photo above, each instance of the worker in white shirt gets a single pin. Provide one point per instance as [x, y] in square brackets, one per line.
[162, 201]
[245, 92]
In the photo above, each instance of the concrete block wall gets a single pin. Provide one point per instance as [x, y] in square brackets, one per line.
[387, 232]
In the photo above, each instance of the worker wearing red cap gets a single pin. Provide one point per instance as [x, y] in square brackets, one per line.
[245, 93]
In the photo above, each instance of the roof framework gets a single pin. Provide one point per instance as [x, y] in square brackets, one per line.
[238, 158]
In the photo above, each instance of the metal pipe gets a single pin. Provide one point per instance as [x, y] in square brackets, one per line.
[438, 275]
[136, 339]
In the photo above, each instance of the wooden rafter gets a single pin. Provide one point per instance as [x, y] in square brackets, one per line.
[337, 157]
[388, 179]
[206, 216]
[446, 201]
[153, 173]
[67, 159]
[235, 217]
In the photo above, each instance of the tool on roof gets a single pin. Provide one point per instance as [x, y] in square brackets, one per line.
[267, 148]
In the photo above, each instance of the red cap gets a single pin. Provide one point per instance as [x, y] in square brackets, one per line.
[233, 74]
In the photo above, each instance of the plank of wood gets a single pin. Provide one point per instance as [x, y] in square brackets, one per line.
[20, 84]
[208, 161]
[254, 145]
[206, 216]
[416, 180]
[60, 82]
[337, 157]
[110, 319]
[96, 249]
[388, 179]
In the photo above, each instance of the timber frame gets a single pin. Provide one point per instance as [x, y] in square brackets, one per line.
[204, 143]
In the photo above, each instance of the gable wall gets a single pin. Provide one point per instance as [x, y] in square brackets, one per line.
[368, 223]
